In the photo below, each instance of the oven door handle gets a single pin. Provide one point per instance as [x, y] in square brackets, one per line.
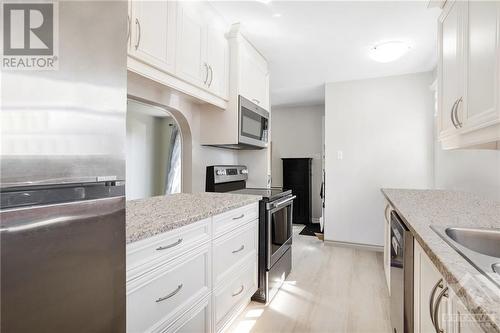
[281, 203]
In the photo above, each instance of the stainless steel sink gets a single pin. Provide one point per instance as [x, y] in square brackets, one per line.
[484, 241]
[479, 246]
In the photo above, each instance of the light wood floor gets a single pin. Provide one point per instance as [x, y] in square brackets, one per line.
[330, 289]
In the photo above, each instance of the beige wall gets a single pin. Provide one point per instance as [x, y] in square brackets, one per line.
[297, 132]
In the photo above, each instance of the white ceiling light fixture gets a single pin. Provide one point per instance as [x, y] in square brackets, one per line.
[277, 15]
[389, 51]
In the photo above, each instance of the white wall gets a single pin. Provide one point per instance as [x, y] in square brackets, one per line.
[384, 128]
[195, 157]
[147, 149]
[203, 155]
[297, 132]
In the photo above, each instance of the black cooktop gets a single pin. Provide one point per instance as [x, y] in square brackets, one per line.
[266, 193]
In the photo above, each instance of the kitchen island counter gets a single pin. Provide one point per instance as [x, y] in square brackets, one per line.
[152, 216]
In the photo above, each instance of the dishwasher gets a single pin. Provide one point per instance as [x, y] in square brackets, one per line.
[401, 276]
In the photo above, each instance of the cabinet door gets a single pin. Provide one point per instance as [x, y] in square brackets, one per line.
[191, 45]
[482, 39]
[387, 245]
[254, 76]
[460, 319]
[450, 64]
[428, 285]
[153, 33]
[218, 61]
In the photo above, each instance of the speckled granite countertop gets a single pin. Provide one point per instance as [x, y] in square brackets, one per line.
[422, 208]
[153, 216]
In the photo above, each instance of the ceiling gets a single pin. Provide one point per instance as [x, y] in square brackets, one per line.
[313, 42]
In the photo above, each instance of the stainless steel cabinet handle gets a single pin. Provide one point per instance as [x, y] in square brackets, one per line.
[459, 124]
[239, 292]
[256, 100]
[138, 24]
[439, 284]
[385, 213]
[173, 293]
[206, 73]
[444, 293]
[211, 75]
[240, 249]
[128, 28]
[239, 217]
[452, 114]
[169, 245]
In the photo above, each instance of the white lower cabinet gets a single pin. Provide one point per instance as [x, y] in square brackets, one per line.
[196, 320]
[196, 278]
[158, 297]
[232, 249]
[436, 307]
[460, 320]
[230, 296]
[430, 297]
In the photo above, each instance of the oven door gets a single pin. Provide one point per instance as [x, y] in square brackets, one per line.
[279, 229]
[253, 124]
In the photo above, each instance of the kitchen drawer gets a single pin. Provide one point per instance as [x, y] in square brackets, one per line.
[232, 248]
[238, 290]
[158, 297]
[197, 320]
[228, 221]
[147, 254]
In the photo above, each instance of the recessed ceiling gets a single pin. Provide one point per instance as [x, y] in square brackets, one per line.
[312, 42]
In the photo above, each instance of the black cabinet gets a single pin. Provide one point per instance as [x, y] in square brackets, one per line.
[297, 176]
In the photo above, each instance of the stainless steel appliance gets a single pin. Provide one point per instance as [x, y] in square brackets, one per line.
[479, 246]
[401, 276]
[253, 126]
[275, 225]
[62, 214]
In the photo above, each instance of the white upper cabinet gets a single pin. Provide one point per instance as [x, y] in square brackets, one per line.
[202, 48]
[152, 33]
[482, 39]
[181, 45]
[468, 74]
[450, 65]
[217, 61]
[254, 74]
[191, 44]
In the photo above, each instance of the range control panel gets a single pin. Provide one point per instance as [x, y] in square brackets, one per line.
[225, 173]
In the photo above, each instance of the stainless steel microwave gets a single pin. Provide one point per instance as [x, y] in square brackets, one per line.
[253, 124]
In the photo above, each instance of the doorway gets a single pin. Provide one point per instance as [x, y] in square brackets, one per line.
[153, 150]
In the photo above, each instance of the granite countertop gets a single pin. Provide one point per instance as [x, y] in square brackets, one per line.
[422, 208]
[153, 216]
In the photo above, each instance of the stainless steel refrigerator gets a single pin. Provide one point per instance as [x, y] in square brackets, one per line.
[62, 218]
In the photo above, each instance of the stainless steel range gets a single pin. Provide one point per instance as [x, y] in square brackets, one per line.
[275, 225]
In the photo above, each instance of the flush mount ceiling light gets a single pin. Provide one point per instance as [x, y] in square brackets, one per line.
[389, 51]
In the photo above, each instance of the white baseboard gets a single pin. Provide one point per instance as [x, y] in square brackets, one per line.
[367, 247]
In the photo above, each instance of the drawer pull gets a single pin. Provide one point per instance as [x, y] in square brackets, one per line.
[173, 293]
[169, 245]
[240, 249]
[239, 217]
[239, 292]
